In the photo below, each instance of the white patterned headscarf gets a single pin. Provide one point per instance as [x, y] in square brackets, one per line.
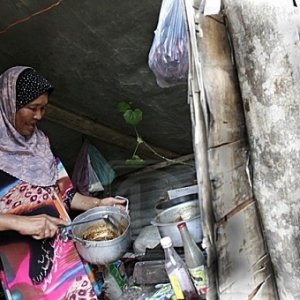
[29, 159]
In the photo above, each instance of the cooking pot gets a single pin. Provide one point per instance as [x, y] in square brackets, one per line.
[160, 206]
[102, 251]
[167, 221]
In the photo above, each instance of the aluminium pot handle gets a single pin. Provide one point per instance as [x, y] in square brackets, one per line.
[127, 202]
[67, 235]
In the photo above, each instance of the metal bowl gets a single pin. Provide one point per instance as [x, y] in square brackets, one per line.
[167, 221]
[160, 206]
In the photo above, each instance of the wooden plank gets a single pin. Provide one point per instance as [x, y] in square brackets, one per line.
[187, 160]
[227, 122]
[243, 262]
[230, 177]
[263, 290]
[200, 123]
[220, 141]
[89, 127]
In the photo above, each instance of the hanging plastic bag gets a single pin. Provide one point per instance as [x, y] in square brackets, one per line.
[94, 182]
[169, 56]
[80, 175]
[101, 167]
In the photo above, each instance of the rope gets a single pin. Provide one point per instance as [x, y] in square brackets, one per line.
[31, 16]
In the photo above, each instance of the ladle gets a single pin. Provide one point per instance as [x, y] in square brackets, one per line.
[110, 221]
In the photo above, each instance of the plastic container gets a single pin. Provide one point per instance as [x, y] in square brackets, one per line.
[194, 260]
[177, 272]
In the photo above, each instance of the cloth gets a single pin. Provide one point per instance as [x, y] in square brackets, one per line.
[24, 158]
[47, 269]
[30, 85]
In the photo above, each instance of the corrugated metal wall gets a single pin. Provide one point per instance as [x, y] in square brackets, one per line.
[144, 189]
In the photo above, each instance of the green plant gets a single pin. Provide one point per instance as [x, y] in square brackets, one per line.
[134, 117]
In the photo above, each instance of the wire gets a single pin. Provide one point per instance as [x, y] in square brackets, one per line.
[31, 16]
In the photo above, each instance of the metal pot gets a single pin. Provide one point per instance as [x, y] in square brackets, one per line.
[104, 251]
[167, 221]
[160, 206]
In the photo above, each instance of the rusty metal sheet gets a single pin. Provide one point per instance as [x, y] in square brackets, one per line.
[145, 190]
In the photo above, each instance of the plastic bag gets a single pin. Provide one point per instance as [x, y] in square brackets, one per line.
[80, 175]
[169, 56]
[103, 170]
[94, 182]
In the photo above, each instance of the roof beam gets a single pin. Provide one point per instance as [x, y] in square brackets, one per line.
[89, 127]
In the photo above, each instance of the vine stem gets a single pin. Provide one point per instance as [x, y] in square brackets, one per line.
[165, 158]
[136, 147]
[139, 138]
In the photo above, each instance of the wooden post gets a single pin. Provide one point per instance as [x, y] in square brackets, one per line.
[267, 52]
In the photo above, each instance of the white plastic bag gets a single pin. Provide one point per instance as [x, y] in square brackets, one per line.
[95, 184]
[169, 55]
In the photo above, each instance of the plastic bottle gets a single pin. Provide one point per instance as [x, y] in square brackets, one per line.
[194, 260]
[177, 272]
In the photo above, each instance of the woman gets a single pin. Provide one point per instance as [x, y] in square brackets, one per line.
[35, 196]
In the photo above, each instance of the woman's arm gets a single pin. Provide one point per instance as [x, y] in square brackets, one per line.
[81, 202]
[39, 226]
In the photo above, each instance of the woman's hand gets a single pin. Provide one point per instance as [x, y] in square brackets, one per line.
[39, 226]
[110, 201]
[82, 202]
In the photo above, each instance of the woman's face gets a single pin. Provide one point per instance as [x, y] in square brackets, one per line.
[30, 114]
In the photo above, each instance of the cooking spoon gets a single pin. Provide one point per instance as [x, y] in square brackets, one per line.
[109, 219]
[113, 224]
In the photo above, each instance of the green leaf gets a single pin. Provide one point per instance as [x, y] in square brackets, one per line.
[133, 117]
[135, 161]
[122, 106]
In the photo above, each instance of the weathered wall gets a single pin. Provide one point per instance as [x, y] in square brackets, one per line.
[266, 44]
